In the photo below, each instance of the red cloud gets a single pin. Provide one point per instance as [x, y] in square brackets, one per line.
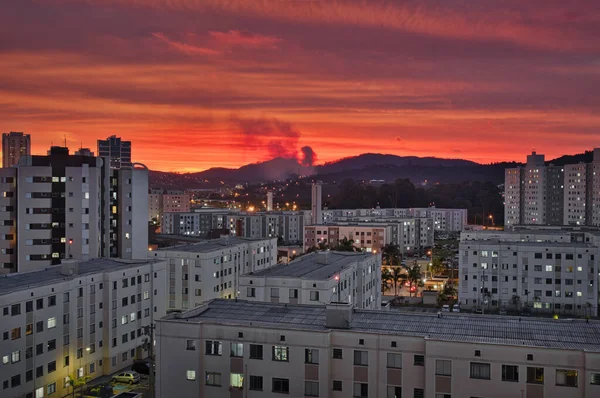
[184, 47]
[237, 38]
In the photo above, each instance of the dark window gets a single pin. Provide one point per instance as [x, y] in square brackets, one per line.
[256, 383]
[281, 386]
[15, 381]
[566, 377]
[361, 358]
[361, 390]
[29, 306]
[15, 309]
[51, 301]
[337, 353]
[256, 351]
[480, 370]
[337, 385]
[419, 360]
[419, 393]
[535, 375]
[510, 373]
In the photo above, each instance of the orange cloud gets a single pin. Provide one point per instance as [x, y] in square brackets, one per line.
[189, 49]
[236, 38]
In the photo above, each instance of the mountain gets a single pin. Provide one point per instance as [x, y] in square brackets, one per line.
[368, 166]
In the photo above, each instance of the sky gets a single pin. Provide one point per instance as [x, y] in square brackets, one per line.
[196, 84]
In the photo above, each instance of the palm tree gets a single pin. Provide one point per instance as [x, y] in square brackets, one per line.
[390, 253]
[414, 277]
[386, 279]
[79, 382]
[398, 276]
[345, 245]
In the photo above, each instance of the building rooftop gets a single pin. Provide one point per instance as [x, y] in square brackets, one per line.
[565, 334]
[309, 266]
[211, 245]
[20, 281]
[546, 243]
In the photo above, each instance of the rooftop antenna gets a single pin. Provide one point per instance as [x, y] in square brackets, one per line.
[65, 140]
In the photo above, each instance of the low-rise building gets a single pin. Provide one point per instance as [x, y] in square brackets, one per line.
[240, 349]
[212, 269]
[75, 320]
[320, 277]
[369, 237]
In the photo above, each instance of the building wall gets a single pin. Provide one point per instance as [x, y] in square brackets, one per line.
[14, 146]
[155, 204]
[575, 194]
[8, 217]
[87, 313]
[369, 238]
[175, 361]
[198, 276]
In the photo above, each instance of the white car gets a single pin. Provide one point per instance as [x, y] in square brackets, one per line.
[126, 377]
[456, 308]
[445, 308]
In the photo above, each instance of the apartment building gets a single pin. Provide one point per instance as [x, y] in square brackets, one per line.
[444, 220]
[76, 320]
[64, 206]
[155, 204]
[368, 237]
[212, 269]
[547, 271]
[196, 223]
[553, 195]
[14, 145]
[228, 348]
[320, 277]
[117, 151]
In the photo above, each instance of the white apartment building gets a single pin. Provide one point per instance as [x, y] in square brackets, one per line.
[512, 197]
[242, 349]
[444, 220]
[196, 223]
[75, 320]
[578, 180]
[212, 269]
[366, 237]
[320, 277]
[548, 271]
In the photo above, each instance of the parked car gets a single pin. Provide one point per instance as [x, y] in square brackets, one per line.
[456, 308]
[126, 377]
[479, 311]
[445, 308]
[141, 367]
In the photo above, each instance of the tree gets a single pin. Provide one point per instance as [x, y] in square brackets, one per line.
[386, 279]
[391, 254]
[80, 382]
[414, 277]
[345, 245]
[398, 276]
[280, 241]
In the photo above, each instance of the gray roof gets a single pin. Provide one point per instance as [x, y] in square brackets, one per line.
[210, 245]
[309, 267]
[20, 281]
[527, 243]
[487, 329]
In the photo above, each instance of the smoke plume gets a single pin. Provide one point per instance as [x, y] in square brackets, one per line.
[279, 138]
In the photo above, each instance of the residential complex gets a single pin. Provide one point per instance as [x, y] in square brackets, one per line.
[320, 277]
[548, 270]
[444, 220]
[63, 206]
[117, 151]
[212, 269]
[240, 349]
[537, 194]
[409, 234]
[76, 320]
[14, 146]
[169, 201]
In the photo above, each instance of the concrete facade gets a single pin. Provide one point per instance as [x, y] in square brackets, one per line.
[14, 146]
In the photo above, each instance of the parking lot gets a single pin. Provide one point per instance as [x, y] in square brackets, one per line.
[142, 387]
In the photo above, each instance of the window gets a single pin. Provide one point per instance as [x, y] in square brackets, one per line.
[256, 351]
[15, 381]
[419, 360]
[361, 390]
[480, 370]
[314, 295]
[337, 353]
[394, 392]
[51, 345]
[15, 357]
[256, 383]
[419, 393]
[595, 378]
[190, 345]
[311, 356]
[28, 329]
[311, 389]
[566, 377]
[214, 348]
[274, 292]
[281, 386]
[361, 358]
[510, 373]
[236, 380]
[337, 385]
[535, 375]
[213, 379]
[51, 366]
[237, 350]
[51, 301]
[51, 323]
[394, 361]
[28, 306]
[281, 353]
[15, 334]
[190, 375]
[293, 293]
[443, 367]
[250, 292]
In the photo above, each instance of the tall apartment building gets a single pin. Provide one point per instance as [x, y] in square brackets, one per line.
[64, 206]
[444, 220]
[240, 349]
[14, 146]
[546, 270]
[155, 204]
[212, 269]
[317, 203]
[552, 195]
[75, 320]
[118, 151]
[321, 277]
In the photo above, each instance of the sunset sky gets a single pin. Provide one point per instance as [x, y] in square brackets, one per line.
[201, 83]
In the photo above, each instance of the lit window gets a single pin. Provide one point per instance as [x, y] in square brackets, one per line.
[51, 323]
[237, 380]
[191, 375]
